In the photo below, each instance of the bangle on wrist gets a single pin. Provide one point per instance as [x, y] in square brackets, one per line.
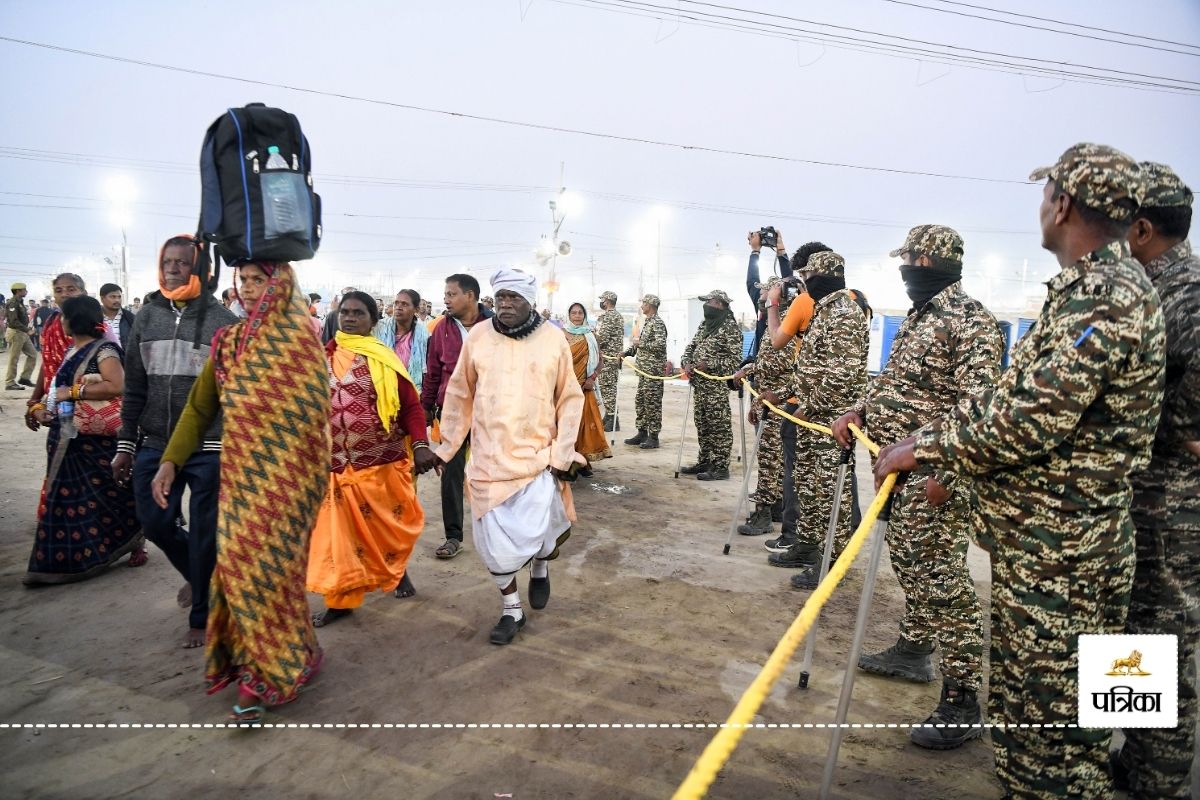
[420, 444]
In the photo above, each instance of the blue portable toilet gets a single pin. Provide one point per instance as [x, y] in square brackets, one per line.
[1023, 326]
[890, 326]
[1006, 329]
[747, 344]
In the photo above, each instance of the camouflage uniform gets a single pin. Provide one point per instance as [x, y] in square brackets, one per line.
[1056, 440]
[720, 352]
[947, 350]
[1166, 513]
[830, 375]
[610, 335]
[772, 370]
[651, 359]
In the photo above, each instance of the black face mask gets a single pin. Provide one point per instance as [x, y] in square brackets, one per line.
[922, 283]
[819, 286]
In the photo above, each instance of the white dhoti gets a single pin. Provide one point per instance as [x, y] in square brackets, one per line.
[525, 526]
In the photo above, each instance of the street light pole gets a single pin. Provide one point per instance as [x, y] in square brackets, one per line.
[125, 263]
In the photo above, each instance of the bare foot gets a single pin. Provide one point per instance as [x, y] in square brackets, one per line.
[184, 598]
[323, 618]
[194, 639]
[406, 588]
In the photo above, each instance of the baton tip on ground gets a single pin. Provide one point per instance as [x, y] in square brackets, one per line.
[725, 552]
[804, 680]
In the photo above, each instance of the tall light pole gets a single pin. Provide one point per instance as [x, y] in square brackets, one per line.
[121, 192]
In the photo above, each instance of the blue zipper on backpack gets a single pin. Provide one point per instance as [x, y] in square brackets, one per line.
[245, 183]
[312, 223]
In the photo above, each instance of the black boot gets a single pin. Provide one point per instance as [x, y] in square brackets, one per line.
[799, 555]
[758, 524]
[958, 711]
[651, 442]
[694, 469]
[1122, 776]
[809, 577]
[714, 474]
[913, 662]
[777, 511]
[637, 438]
[608, 423]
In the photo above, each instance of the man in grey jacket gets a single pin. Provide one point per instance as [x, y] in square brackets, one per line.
[165, 353]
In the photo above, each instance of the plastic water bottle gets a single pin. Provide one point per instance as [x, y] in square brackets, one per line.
[274, 160]
[66, 419]
[284, 208]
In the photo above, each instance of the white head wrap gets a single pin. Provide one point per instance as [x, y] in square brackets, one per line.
[513, 280]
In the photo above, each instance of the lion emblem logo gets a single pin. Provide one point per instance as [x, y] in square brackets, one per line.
[1128, 666]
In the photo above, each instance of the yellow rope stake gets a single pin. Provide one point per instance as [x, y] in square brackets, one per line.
[721, 747]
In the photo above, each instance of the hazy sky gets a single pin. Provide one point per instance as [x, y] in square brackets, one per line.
[411, 196]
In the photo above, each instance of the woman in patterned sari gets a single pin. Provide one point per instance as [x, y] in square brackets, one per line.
[267, 374]
[86, 521]
[585, 352]
[370, 518]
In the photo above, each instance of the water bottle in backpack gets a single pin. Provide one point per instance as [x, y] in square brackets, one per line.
[284, 198]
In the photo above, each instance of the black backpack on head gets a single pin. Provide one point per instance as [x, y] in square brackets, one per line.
[257, 199]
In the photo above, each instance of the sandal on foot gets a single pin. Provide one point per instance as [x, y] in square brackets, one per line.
[449, 549]
[239, 718]
[323, 618]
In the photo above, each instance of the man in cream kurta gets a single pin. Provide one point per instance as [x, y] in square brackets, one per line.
[514, 391]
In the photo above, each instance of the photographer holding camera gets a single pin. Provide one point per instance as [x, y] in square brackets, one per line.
[764, 237]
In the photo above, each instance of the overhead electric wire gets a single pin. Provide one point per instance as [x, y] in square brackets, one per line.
[903, 49]
[885, 50]
[1029, 26]
[510, 122]
[1064, 22]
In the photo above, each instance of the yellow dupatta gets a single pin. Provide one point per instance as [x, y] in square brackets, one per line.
[381, 360]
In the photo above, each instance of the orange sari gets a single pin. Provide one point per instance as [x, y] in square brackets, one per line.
[591, 442]
[370, 518]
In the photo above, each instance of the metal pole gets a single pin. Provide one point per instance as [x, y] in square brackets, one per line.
[742, 422]
[810, 642]
[686, 405]
[737, 510]
[860, 630]
[616, 399]
[124, 262]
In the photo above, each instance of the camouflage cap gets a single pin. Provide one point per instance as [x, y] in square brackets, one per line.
[609, 296]
[717, 294]
[651, 299]
[826, 263]
[932, 240]
[1099, 177]
[1164, 189]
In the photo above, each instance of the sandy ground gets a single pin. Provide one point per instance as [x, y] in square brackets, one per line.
[649, 623]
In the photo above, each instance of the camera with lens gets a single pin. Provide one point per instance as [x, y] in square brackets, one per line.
[793, 286]
[768, 236]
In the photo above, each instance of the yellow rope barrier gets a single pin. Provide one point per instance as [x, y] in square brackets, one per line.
[718, 751]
